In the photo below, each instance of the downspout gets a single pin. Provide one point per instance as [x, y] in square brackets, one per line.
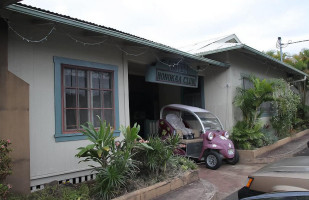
[305, 78]
[304, 92]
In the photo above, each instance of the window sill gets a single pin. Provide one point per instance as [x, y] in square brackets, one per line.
[76, 136]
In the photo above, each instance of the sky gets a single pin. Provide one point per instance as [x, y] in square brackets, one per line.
[177, 23]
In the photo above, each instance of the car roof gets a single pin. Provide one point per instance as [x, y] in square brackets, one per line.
[289, 167]
[186, 108]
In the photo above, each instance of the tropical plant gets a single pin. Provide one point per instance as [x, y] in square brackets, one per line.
[184, 163]
[112, 179]
[5, 167]
[116, 161]
[103, 143]
[250, 100]
[132, 140]
[246, 137]
[247, 133]
[285, 103]
[157, 159]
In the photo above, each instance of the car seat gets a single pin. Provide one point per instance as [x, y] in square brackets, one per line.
[176, 123]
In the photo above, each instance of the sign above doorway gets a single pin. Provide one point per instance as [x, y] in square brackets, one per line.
[179, 75]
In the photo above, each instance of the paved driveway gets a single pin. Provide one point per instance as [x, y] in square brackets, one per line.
[228, 178]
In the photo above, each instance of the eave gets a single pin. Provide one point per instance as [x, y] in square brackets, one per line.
[254, 51]
[103, 30]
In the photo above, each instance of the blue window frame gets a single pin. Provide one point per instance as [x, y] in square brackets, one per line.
[60, 65]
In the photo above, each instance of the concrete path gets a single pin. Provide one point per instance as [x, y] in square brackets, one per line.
[285, 151]
[224, 182]
[228, 178]
[198, 190]
[214, 184]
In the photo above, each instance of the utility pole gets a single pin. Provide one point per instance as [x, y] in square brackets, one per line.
[280, 46]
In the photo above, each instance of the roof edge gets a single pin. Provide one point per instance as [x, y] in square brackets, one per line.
[95, 28]
[275, 60]
[221, 50]
[243, 46]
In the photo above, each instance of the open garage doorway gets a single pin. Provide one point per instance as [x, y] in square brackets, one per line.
[146, 98]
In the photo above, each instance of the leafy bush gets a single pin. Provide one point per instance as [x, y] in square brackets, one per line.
[115, 158]
[285, 103]
[184, 163]
[5, 167]
[156, 160]
[103, 143]
[269, 136]
[246, 137]
[302, 117]
[63, 192]
[247, 133]
[249, 100]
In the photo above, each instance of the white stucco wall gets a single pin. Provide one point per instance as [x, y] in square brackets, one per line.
[34, 64]
[220, 85]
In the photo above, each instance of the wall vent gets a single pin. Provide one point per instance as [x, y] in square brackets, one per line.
[75, 180]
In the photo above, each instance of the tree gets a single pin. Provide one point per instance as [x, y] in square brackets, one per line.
[249, 100]
[299, 61]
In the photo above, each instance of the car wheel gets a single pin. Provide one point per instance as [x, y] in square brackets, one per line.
[234, 160]
[213, 160]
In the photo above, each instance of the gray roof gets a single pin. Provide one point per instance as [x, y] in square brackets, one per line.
[230, 43]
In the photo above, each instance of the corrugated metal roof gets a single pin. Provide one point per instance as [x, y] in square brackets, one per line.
[220, 44]
[64, 19]
[211, 44]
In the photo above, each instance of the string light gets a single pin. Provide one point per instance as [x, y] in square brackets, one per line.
[198, 68]
[169, 65]
[101, 42]
[28, 40]
[86, 43]
[132, 54]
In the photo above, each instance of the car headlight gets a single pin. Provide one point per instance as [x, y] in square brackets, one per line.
[226, 134]
[210, 136]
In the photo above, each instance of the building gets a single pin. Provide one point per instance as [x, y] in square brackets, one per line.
[57, 72]
[243, 61]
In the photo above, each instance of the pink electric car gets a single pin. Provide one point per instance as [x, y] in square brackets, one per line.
[201, 132]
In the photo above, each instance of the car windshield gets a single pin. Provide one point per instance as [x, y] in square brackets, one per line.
[210, 122]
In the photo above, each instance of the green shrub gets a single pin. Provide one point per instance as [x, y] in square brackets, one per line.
[116, 161]
[247, 134]
[185, 163]
[285, 103]
[56, 192]
[250, 100]
[246, 137]
[269, 136]
[103, 143]
[156, 160]
[160, 157]
[5, 167]
[302, 117]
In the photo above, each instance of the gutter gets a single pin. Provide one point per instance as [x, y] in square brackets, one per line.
[304, 79]
[86, 26]
[243, 46]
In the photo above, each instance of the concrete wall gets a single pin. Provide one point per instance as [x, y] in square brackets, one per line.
[14, 118]
[33, 63]
[220, 85]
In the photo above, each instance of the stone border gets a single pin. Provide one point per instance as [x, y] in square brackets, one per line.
[248, 156]
[161, 188]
